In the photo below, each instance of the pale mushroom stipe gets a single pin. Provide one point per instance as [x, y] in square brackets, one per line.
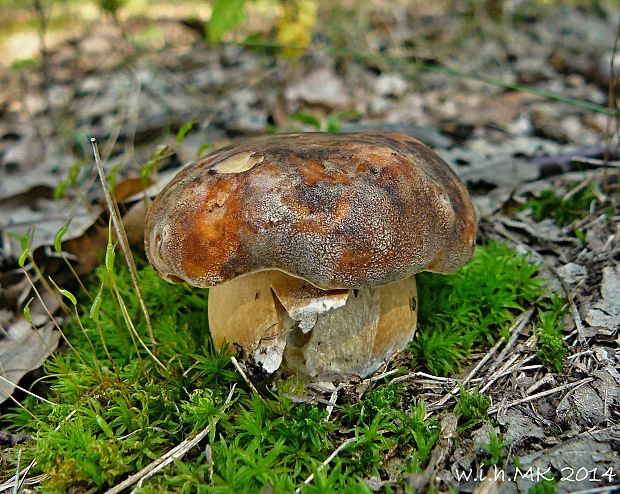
[310, 243]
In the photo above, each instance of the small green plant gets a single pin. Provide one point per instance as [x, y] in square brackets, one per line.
[111, 6]
[472, 308]
[329, 123]
[544, 487]
[471, 408]
[494, 453]
[551, 205]
[294, 25]
[161, 153]
[24, 64]
[226, 16]
[416, 429]
[71, 180]
[551, 348]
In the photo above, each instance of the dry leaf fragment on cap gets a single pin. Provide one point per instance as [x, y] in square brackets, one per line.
[310, 244]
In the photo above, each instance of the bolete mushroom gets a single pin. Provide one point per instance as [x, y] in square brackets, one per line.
[310, 243]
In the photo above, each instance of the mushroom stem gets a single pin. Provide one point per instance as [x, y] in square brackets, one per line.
[283, 322]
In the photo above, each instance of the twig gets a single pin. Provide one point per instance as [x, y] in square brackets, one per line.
[515, 329]
[584, 183]
[329, 459]
[332, 402]
[431, 377]
[24, 390]
[10, 484]
[378, 377]
[596, 162]
[573, 309]
[16, 483]
[497, 374]
[175, 453]
[122, 237]
[243, 374]
[509, 368]
[542, 394]
[550, 165]
[479, 380]
[209, 460]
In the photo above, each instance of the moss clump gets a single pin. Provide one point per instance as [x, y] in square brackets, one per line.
[472, 308]
[472, 408]
[562, 211]
[551, 348]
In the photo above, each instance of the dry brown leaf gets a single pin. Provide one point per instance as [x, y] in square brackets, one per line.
[22, 350]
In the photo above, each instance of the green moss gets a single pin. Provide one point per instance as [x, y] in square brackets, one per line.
[119, 410]
[472, 308]
[544, 487]
[551, 348]
[494, 451]
[472, 408]
[549, 204]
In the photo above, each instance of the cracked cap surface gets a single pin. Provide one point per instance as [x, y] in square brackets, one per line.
[338, 210]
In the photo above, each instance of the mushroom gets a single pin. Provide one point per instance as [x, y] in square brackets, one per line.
[310, 243]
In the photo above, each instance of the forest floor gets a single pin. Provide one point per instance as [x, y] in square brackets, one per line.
[524, 106]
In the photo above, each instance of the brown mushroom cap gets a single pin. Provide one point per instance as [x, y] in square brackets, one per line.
[337, 210]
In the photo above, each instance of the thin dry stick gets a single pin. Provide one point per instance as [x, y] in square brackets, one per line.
[24, 390]
[515, 330]
[596, 162]
[133, 329]
[413, 375]
[507, 367]
[243, 374]
[514, 365]
[122, 237]
[35, 480]
[31, 481]
[329, 459]
[332, 402]
[175, 453]
[573, 309]
[19, 459]
[542, 394]
[383, 375]
[584, 183]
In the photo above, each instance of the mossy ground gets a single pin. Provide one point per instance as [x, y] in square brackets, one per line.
[117, 410]
[564, 209]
